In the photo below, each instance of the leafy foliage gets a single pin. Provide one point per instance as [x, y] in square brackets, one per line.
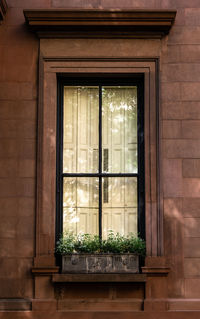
[91, 244]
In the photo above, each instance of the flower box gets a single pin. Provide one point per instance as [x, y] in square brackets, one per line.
[100, 263]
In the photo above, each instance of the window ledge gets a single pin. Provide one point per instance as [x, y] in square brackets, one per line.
[58, 278]
[44, 271]
[100, 23]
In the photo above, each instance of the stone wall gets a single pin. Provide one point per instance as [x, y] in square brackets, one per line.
[179, 54]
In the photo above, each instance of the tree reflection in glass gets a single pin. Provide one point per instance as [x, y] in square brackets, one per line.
[81, 137]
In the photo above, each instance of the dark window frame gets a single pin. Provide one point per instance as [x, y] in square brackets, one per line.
[100, 80]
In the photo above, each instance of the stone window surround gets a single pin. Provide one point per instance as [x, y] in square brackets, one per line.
[47, 24]
[50, 67]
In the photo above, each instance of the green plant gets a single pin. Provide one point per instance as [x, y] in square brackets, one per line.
[91, 244]
[87, 244]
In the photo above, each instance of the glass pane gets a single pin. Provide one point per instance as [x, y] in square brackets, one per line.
[119, 129]
[81, 125]
[80, 205]
[119, 205]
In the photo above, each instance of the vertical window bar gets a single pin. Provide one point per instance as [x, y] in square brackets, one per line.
[100, 162]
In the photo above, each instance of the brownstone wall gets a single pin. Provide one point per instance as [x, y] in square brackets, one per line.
[180, 147]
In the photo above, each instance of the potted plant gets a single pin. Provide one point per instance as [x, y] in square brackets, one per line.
[88, 254]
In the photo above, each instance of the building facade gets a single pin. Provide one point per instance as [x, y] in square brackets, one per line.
[99, 130]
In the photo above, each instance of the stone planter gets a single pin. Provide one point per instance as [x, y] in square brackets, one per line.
[100, 263]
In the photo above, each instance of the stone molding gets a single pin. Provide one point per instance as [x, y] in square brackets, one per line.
[44, 271]
[61, 278]
[156, 270]
[100, 23]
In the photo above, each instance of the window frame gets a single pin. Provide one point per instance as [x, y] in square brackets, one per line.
[52, 67]
[121, 79]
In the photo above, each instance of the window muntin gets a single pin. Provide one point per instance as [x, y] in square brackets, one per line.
[101, 184]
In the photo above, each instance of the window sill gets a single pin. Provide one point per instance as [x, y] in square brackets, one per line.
[59, 278]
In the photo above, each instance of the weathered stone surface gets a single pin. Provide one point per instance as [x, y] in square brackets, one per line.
[102, 263]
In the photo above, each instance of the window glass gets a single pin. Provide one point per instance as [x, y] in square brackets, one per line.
[100, 159]
[81, 134]
[119, 129]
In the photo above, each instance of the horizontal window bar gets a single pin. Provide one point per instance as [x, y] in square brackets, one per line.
[100, 175]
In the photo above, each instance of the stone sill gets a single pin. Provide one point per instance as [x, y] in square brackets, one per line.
[98, 278]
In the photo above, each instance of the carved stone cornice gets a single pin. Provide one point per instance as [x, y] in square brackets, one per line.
[100, 23]
[3, 9]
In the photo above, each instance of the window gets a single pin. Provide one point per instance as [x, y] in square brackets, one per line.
[100, 184]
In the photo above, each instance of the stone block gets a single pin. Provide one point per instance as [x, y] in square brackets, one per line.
[16, 247]
[191, 168]
[26, 206]
[31, 4]
[179, 4]
[18, 66]
[190, 53]
[128, 4]
[172, 178]
[8, 226]
[184, 304]
[17, 129]
[170, 54]
[13, 110]
[15, 305]
[25, 227]
[16, 91]
[192, 16]
[15, 268]
[14, 16]
[184, 35]
[9, 206]
[98, 305]
[181, 148]
[191, 267]
[191, 207]
[83, 291]
[192, 288]
[171, 129]
[16, 288]
[26, 148]
[129, 290]
[76, 4]
[181, 110]
[43, 287]
[173, 208]
[8, 167]
[191, 129]
[23, 187]
[192, 227]
[44, 305]
[170, 92]
[191, 187]
[27, 168]
[190, 91]
[176, 72]
[192, 247]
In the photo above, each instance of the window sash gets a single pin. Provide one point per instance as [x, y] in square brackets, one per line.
[101, 174]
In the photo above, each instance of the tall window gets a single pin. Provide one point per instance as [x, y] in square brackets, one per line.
[101, 158]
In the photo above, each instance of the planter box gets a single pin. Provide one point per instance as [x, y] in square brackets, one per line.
[100, 263]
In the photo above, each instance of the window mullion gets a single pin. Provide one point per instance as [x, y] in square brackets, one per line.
[100, 161]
